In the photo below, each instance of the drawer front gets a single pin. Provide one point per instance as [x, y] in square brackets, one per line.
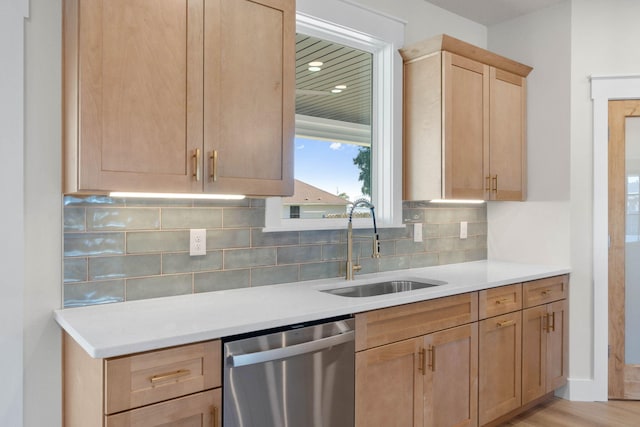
[497, 301]
[154, 376]
[197, 410]
[387, 325]
[542, 291]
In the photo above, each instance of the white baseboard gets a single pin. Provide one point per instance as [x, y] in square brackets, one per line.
[582, 390]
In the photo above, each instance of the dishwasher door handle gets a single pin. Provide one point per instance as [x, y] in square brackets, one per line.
[294, 350]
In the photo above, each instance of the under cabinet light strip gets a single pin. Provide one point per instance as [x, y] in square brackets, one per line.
[456, 201]
[178, 196]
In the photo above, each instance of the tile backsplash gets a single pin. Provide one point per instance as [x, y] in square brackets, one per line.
[128, 249]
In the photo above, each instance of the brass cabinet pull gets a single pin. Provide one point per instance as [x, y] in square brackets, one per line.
[196, 164]
[545, 292]
[432, 358]
[170, 376]
[422, 362]
[552, 328]
[505, 323]
[214, 165]
[502, 300]
[495, 183]
[214, 416]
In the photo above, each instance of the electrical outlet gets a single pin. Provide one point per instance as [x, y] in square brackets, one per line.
[417, 232]
[197, 241]
[463, 229]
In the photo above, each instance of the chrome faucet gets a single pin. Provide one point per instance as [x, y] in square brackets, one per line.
[351, 267]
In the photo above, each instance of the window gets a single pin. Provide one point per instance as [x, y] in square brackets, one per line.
[360, 138]
[294, 211]
[633, 208]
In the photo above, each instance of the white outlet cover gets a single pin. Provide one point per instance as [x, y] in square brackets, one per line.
[463, 229]
[197, 241]
[417, 232]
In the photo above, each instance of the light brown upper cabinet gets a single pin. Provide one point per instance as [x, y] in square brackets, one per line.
[178, 96]
[464, 122]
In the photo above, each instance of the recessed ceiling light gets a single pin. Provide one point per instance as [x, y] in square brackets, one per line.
[341, 87]
[336, 90]
[316, 64]
[314, 68]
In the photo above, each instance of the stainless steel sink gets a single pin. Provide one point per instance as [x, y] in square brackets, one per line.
[383, 288]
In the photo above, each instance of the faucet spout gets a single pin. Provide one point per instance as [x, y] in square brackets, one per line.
[351, 267]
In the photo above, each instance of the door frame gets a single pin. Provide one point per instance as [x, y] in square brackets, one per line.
[603, 89]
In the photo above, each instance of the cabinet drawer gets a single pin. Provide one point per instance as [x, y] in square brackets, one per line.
[546, 290]
[387, 325]
[201, 409]
[497, 301]
[154, 376]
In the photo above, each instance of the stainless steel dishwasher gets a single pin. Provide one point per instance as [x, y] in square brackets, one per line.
[301, 376]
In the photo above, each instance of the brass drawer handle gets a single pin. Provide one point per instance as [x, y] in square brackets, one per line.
[546, 292]
[214, 165]
[502, 300]
[432, 358]
[214, 416]
[170, 376]
[196, 164]
[422, 361]
[505, 323]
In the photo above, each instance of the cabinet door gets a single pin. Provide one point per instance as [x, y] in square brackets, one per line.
[389, 386]
[249, 97]
[557, 345]
[139, 88]
[451, 377]
[500, 346]
[507, 164]
[466, 127]
[534, 353]
[196, 410]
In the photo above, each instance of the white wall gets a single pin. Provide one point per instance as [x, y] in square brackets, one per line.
[43, 214]
[424, 20]
[12, 14]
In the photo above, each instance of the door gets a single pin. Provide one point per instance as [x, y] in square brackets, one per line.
[500, 373]
[249, 97]
[389, 386]
[507, 160]
[466, 126]
[139, 94]
[624, 249]
[451, 377]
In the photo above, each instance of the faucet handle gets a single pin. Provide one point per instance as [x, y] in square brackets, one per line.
[376, 247]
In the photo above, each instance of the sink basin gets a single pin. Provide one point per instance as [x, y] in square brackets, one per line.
[383, 288]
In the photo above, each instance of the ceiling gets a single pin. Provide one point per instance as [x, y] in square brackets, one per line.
[489, 12]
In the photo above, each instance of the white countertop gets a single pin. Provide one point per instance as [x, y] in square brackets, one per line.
[130, 327]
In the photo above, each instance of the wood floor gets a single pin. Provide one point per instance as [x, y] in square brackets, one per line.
[560, 412]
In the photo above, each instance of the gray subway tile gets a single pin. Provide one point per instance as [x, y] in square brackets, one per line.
[424, 260]
[91, 293]
[396, 233]
[213, 203]
[159, 286]
[92, 201]
[157, 203]
[475, 254]
[298, 254]
[221, 280]
[180, 218]
[395, 263]
[478, 228]
[287, 238]
[321, 270]
[257, 203]
[84, 244]
[74, 219]
[157, 241]
[408, 247]
[103, 219]
[75, 270]
[337, 251]
[272, 275]
[323, 236]
[451, 257]
[228, 238]
[242, 217]
[244, 258]
[368, 265]
[116, 267]
[413, 215]
[184, 263]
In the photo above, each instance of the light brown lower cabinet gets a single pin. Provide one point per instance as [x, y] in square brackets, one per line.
[544, 349]
[170, 387]
[500, 378]
[429, 380]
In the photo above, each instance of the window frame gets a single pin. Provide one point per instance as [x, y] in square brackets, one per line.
[382, 35]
